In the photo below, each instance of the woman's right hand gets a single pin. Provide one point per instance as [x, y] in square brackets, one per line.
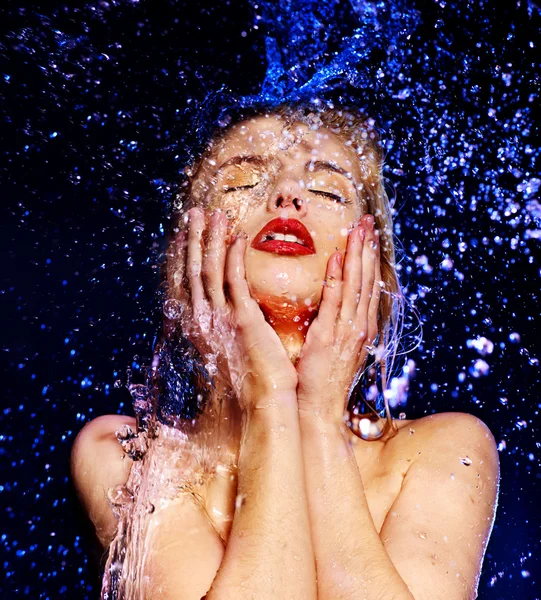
[220, 317]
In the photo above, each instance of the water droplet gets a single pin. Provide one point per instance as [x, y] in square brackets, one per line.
[119, 496]
[172, 309]
[124, 432]
[447, 264]
[466, 461]
[483, 345]
[150, 507]
[479, 368]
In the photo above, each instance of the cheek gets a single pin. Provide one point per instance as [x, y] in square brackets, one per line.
[237, 210]
[332, 232]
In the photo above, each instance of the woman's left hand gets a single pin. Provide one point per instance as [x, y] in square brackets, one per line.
[338, 340]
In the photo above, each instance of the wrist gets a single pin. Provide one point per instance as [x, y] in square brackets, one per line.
[271, 420]
[270, 405]
[318, 423]
[326, 443]
[323, 407]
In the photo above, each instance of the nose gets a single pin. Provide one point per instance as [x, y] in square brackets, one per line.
[288, 195]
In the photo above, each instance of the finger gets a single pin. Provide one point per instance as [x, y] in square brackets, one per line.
[373, 307]
[352, 274]
[331, 300]
[176, 266]
[235, 274]
[196, 225]
[370, 253]
[214, 260]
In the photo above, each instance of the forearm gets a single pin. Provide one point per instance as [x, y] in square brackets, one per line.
[269, 551]
[351, 560]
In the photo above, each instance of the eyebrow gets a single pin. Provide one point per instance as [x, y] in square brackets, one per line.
[326, 165]
[257, 159]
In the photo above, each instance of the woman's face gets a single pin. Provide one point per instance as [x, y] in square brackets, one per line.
[295, 192]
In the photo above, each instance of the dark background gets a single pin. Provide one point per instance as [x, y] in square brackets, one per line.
[95, 109]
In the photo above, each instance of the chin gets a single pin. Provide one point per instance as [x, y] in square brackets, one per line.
[291, 302]
[276, 281]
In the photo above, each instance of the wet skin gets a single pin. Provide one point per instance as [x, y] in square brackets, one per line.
[374, 519]
[256, 175]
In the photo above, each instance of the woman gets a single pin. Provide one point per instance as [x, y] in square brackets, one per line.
[282, 276]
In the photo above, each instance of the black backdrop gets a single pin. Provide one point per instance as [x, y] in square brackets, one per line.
[93, 98]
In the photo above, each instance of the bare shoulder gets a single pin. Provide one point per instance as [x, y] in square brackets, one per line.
[459, 434]
[97, 464]
[440, 522]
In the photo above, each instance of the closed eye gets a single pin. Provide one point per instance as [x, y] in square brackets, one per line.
[239, 187]
[334, 197]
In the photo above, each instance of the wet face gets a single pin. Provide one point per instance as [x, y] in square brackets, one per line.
[295, 192]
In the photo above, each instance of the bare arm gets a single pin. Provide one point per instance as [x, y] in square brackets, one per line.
[269, 552]
[352, 562]
[432, 543]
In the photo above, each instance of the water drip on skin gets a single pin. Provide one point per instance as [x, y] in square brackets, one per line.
[172, 309]
[134, 444]
[167, 464]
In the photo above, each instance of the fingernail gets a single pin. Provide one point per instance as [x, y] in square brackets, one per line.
[339, 259]
[369, 220]
[362, 233]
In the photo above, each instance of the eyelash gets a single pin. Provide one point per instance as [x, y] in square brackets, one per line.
[321, 193]
[239, 187]
[332, 196]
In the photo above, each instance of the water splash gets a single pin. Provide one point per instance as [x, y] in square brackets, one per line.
[100, 102]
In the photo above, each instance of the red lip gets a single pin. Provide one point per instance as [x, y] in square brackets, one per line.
[264, 242]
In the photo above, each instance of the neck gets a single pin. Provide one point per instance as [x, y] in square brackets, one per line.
[290, 321]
